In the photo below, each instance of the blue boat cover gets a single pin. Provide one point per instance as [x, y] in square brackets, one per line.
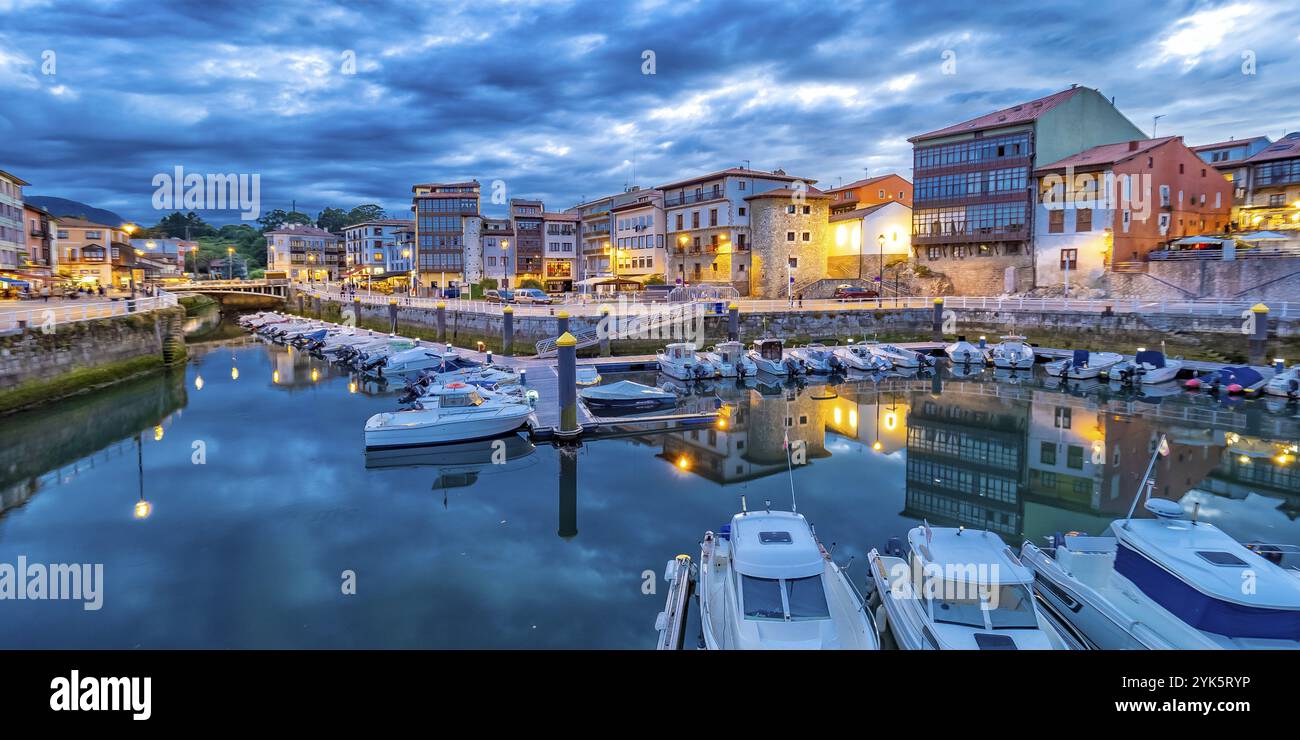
[1081, 358]
[1150, 357]
[1243, 376]
[1200, 610]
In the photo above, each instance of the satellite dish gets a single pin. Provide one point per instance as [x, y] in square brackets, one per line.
[1163, 508]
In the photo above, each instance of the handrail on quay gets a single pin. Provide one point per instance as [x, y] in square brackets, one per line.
[66, 312]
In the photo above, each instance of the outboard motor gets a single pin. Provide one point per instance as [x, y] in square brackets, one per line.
[1293, 389]
[894, 548]
[741, 371]
[836, 364]
[699, 371]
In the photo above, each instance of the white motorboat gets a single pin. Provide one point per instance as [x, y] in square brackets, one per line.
[1082, 365]
[1166, 583]
[900, 357]
[419, 358]
[1147, 367]
[681, 361]
[768, 355]
[863, 357]
[1285, 383]
[730, 361]
[453, 413]
[626, 395]
[962, 352]
[765, 582]
[586, 375]
[1012, 353]
[960, 589]
[818, 358]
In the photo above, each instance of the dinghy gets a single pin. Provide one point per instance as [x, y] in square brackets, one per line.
[626, 395]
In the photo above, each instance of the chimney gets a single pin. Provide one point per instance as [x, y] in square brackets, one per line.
[1133, 146]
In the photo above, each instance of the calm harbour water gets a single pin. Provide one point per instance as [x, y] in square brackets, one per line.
[247, 549]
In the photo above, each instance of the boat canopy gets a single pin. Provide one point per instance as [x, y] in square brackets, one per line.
[769, 349]
[1165, 557]
[1243, 376]
[1150, 357]
[775, 544]
[1080, 358]
[625, 390]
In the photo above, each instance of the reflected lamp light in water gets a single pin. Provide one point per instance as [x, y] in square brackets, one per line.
[142, 509]
[198, 382]
[158, 433]
[275, 376]
[234, 373]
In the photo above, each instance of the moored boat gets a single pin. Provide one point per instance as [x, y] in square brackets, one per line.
[453, 413]
[1148, 367]
[1082, 365]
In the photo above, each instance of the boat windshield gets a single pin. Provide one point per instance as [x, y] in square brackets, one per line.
[763, 598]
[1011, 607]
[807, 598]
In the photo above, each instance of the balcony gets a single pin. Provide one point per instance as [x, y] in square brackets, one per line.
[688, 198]
[1015, 233]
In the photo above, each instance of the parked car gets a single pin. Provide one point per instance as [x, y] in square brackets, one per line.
[532, 295]
[451, 291]
[853, 293]
[499, 296]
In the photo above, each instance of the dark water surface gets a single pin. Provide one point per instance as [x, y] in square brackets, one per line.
[450, 550]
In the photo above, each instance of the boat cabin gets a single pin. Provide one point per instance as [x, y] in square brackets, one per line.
[770, 349]
[779, 566]
[730, 352]
[971, 579]
[458, 395]
[680, 351]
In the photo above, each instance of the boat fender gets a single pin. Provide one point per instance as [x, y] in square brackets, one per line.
[1194, 383]
[882, 619]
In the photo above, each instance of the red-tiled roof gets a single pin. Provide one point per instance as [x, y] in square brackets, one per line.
[1108, 154]
[867, 211]
[1287, 147]
[811, 192]
[737, 171]
[13, 178]
[301, 230]
[1015, 115]
[860, 183]
[1228, 143]
[81, 223]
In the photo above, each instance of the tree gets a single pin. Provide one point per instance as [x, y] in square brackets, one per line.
[279, 217]
[180, 226]
[367, 212]
[333, 219]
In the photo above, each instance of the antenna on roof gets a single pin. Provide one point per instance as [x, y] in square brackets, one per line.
[1155, 121]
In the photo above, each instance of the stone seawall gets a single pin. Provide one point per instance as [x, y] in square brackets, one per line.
[1067, 329]
[1255, 279]
[36, 366]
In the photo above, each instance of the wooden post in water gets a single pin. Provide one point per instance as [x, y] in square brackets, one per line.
[567, 348]
[507, 330]
[568, 527]
[356, 311]
[441, 311]
[936, 326]
[603, 331]
[1259, 339]
[733, 323]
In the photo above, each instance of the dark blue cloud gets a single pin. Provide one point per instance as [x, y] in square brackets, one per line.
[550, 97]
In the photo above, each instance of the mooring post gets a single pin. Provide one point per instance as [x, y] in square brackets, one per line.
[733, 323]
[562, 323]
[507, 330]
[442, 321]
[1259, 339]
[567, 348]
[603, 331]
[392, 314]
[936, 325]
[568, 528]
[356, 311]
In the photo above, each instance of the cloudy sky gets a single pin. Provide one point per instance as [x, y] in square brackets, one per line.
[339, 105]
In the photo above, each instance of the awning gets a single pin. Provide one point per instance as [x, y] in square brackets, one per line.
[1266, 236]
[15, 283]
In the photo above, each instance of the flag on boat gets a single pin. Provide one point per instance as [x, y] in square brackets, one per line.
[1163, 449]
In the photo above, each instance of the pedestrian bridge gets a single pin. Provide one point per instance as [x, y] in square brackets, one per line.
[268, 288]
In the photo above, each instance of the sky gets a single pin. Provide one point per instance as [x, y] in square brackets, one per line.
[343, 104]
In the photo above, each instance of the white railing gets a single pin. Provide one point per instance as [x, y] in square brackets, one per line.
[66, 312]
[1208, 307]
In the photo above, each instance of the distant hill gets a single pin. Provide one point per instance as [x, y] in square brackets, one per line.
[76, 209]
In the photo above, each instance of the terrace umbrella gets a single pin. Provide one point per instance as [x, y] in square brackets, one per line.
[1264, 236]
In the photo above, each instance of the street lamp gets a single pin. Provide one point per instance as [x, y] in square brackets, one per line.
[880, 285]
[230, 263]
[505, 264]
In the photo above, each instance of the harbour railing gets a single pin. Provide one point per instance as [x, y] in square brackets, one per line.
[65, 311]
[1208, 307]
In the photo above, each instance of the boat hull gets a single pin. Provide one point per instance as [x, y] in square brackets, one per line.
[391, 438]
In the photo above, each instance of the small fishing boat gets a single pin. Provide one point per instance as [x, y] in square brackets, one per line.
[818, 358]
[1148, 367]
[453, 413]
[901, 357]
[863, 357]
[1083, 365]
[419, 358]
[1285, 383]
[626, 395]
[768, 355]
[586, 375]
[963, 352]
[959, 589]
[681, 361]
[1166, 583]
[1012, 353]
[765, 582]
[729, 359]
[1229, 379]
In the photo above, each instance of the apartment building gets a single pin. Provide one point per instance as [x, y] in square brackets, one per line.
[871, 191]
[376, 250]
[13, 241]
[95, 255]
[529, 244]
[304, 253]
[1229, 158]
[498, 251]
[178, 252]
[637, 250]
[41, 259]
[596, 230]
[560, 256]
[448, 245]
[707, 233]
[1272, 199]
[1113, 204]
[974, 195]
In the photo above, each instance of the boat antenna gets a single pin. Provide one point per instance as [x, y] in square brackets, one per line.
[1147, 483]
[743, 505]
[789, 468]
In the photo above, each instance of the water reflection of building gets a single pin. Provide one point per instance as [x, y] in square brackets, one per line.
[966, 461]
[1251, 465]
[753, 443]
[877, 419]
[1066, 450]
